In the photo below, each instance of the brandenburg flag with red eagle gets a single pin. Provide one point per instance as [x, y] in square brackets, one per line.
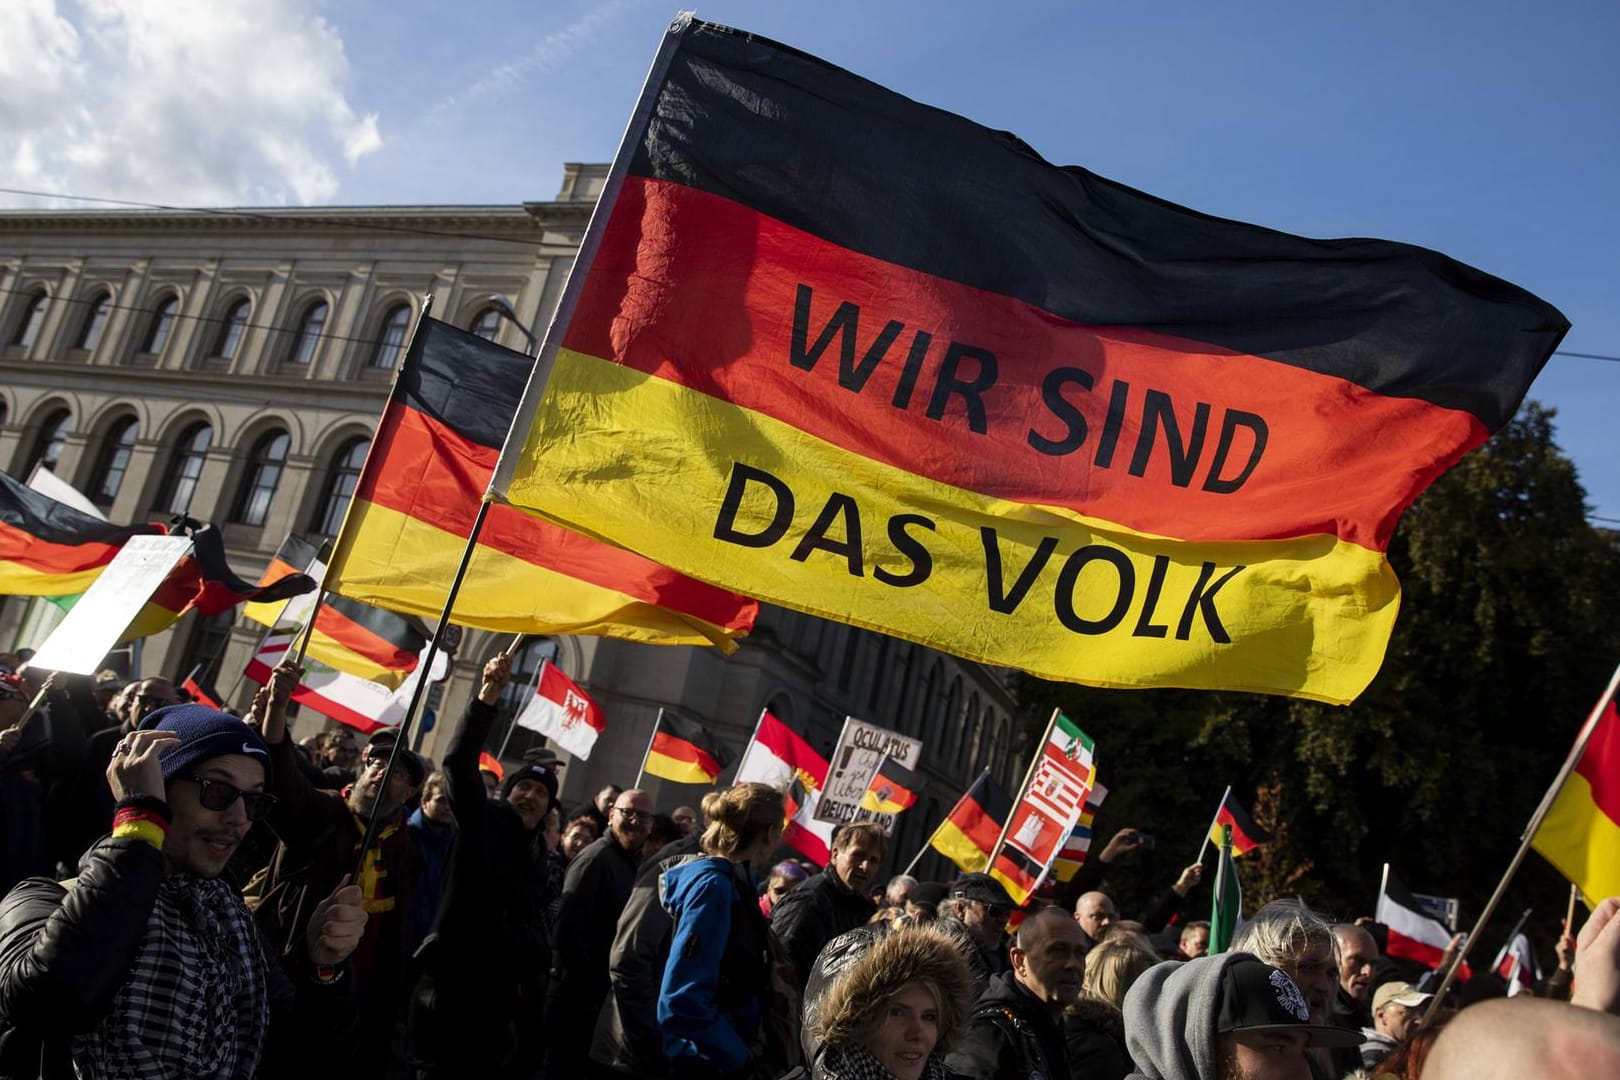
[860, 357]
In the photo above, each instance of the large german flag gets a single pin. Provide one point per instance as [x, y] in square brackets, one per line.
[436, 445]
[867, 359]
[50, 549]
[681, 750]
[351, 637]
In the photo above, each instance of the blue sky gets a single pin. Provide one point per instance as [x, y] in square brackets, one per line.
[1489, 131]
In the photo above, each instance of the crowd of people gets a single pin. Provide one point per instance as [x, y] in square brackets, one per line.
[190, 894]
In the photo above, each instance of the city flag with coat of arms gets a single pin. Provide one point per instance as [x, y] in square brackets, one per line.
[563, 713]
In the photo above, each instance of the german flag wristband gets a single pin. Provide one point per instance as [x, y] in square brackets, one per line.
[140, 823]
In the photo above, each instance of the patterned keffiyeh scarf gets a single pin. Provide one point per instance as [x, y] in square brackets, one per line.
[195, 1004]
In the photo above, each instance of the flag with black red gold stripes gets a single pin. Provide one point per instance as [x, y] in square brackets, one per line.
[867, 359]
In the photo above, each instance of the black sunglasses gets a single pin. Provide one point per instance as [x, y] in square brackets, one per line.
[217, 795]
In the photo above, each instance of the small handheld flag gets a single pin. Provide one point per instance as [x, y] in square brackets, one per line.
[682, 751]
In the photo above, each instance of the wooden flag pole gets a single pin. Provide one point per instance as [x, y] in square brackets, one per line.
[1204, 848]
[1536, 819]
[434, 645]
[1034, 760]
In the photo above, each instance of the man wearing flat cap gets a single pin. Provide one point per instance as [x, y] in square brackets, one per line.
[321, 832]
[148, 965]
[977, 908]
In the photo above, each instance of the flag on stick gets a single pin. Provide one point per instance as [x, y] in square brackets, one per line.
[563, 713]
[779, 757]
[1048, 807]
[1246, 835]
[1412, 934]
[682, 751]
[205, 583]
[1517, 966]
[893, 788]
[1226, 914]
[1119, 441]
[414, 506]
[969, 832]
[1581, 832]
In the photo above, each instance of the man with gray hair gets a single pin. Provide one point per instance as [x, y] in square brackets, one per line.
[899, 890]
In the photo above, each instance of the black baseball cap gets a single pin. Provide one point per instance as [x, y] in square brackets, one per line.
[981, 887]
[1256, 997]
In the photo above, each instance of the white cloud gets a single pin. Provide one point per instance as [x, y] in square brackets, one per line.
[181, 102]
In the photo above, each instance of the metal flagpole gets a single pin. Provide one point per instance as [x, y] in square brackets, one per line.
[1536, 819]
[648, 753]
[1035, 758]
[534, 685]
[1204, 850]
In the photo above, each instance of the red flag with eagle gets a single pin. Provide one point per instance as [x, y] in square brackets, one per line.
[563, 713]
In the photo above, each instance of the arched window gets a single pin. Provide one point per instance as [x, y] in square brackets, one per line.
[112, 461]
[32, 318]
[309, 333]
[264, 467]
[49, 442]
[185, 467]
[395, 325]
[157, 331]
[342, 476]
[95, 321]
[488, 324]
[3, 412]
[230, 330]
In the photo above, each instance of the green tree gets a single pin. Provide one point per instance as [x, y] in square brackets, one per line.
[1506, 636]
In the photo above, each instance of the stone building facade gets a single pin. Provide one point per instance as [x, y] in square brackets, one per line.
[231, 365]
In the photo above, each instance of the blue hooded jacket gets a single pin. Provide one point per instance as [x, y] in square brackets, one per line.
[717, 972]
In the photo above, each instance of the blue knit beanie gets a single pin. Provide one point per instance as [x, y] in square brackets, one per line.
[204, 733]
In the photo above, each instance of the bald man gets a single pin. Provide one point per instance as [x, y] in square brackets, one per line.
[1510, 1038]
[1095, 912]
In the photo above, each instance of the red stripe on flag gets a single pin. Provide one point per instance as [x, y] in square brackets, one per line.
[678, 749]
[902, 324]
[1600, 763]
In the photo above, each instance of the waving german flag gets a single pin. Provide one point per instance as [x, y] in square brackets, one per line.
[893, 788]
[867, 359]
[48, 548]
[414, 506]
[682, 751]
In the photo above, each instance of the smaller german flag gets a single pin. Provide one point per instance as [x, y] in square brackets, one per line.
[48, 548]
[683, 752]
[971, 829]
[893, 789]
[1246, 835]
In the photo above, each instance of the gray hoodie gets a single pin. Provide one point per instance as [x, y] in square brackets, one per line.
[1170, 1016]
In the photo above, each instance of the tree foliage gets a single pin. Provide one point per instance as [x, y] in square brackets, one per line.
[1506, 636]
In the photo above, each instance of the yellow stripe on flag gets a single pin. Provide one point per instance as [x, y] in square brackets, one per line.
[613, 448]
[682, 772]
[397, 562]
[1581, 841]
[958, 847]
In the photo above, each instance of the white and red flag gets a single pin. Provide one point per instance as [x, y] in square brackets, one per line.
[1516, 963]
[563, 713]
[778, 756]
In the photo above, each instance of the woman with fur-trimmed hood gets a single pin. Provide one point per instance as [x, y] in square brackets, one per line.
[894, 1012]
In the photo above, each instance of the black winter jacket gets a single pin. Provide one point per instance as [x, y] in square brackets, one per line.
[1011, 1036]
[810, 916]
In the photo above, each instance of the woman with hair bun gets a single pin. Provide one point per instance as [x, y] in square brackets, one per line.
[718, 973]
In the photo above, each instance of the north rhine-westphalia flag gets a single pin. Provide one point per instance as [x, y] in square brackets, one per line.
[1073, 853]
[1517, 966]
[867, 359]
[893, 788]
[48, 548]
[1412, 934]
[1581, 832]
[778, 756]
[1047, 810]
[682, 751]
[969, 832]
[355, 638]
[1246, 835]
[414, 506]
[563, 713]
[204, 582]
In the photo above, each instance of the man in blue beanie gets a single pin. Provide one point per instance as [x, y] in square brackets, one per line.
[148, 965]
